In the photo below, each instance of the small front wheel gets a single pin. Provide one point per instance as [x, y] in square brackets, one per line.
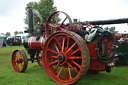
[19, 60]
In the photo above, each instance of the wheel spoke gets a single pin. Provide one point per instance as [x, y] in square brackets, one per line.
[56, 19]
[59, 73]
[21, 66]
[70, 75]
[72, 67]
[67, 42]
[51, 25]
[75, 51]
[20, 55]
[53, 56]
[17, 65]
[48, 49]
[76, 64]
[16, 56]
[56, 66]
[66, 77]
[63, 44]
[57, 41]
[74, 57]
[49, 64]
[71, 47]
[63, 21]
[56, 47]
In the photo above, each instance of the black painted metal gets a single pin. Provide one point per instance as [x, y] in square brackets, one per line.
[30, 21]
[105, 22]
[111, 21]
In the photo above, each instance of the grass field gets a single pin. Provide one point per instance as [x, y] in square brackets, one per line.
[36, 75]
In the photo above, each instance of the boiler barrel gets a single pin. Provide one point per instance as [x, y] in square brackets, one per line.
[34, 43]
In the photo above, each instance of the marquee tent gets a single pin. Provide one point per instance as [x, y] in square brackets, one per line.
[2, 39]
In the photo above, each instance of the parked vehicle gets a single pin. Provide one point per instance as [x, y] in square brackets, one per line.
[14, 40]
[122, 50]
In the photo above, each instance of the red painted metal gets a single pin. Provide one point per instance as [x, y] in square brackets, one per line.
[95, 64]
[35, 44]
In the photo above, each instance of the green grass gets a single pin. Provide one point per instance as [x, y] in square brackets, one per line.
[36, 75]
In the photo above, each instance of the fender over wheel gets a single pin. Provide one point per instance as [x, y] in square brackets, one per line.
[66, 57]
[19, 60]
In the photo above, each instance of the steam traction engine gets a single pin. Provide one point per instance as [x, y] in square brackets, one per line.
[68, 50]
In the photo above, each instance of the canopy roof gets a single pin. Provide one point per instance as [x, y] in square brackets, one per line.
[2, 35]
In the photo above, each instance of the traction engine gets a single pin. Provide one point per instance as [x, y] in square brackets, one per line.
[66, 49]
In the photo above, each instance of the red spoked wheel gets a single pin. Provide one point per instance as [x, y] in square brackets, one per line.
[39, 58]
[106, 47]
[63, 23]
[66, 57]
[19, 60]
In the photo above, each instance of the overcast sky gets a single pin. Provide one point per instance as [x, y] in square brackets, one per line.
[12, 12]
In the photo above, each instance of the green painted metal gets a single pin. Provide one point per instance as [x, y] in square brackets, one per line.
[122, 51]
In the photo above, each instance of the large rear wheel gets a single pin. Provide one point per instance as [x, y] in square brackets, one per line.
[66, 57]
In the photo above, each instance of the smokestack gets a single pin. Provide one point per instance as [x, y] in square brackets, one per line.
[30, 21]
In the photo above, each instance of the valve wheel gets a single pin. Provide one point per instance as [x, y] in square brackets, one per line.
[106, 47]
[64, 23]
[39, 58]
[19, 60]
[66, 57]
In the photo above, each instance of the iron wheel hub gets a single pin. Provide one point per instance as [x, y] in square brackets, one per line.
[61, 58]
[17, 60]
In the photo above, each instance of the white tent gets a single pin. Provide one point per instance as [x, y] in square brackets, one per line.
[2, 38]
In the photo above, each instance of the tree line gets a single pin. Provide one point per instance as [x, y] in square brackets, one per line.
[15, 33]
[44, 7]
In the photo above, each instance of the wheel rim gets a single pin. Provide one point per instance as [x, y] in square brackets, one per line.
[39, 59]
[108, 39]
[64, 58]
[53, 27]
[19, 61]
